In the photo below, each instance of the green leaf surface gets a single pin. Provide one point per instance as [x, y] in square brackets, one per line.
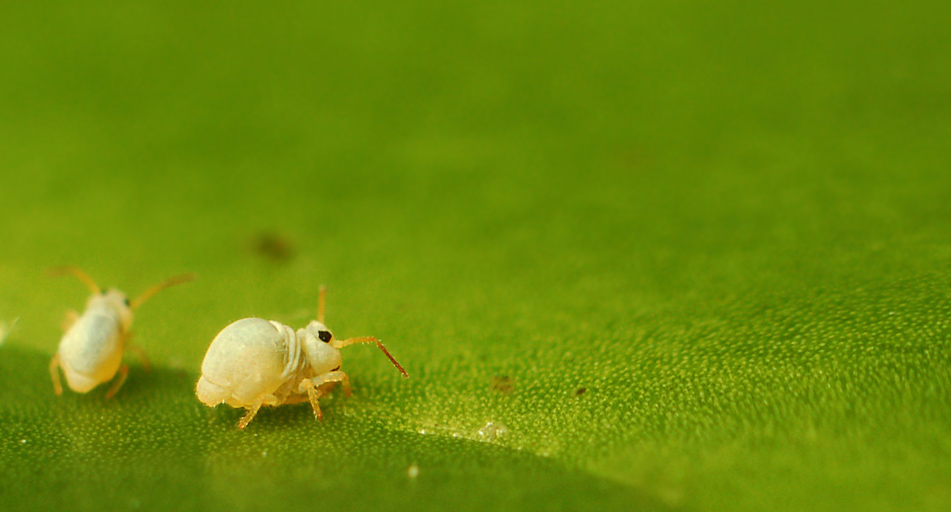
[683, 256]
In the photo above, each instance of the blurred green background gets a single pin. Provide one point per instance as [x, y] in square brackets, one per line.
[672, 255]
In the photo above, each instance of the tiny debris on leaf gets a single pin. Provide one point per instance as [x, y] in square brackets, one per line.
[272, 245]
[503, 384]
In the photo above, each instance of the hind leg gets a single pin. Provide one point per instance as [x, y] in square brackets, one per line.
[252, 412]
[54, 374]
[123, 375]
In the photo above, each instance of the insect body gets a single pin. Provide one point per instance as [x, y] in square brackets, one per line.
[255, 362]
[90, 352]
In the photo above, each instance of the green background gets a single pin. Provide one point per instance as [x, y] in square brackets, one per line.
[682, 255]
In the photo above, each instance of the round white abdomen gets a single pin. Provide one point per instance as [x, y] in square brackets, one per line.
[91, 351]
[245, 362]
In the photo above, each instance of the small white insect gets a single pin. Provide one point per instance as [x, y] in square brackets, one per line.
[90, 352]
[254, 362]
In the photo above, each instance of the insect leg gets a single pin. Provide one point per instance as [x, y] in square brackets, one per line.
[123, 374]
[333, 377]
[345, 383]
[54, 374]
[252, 411]
[313, 395]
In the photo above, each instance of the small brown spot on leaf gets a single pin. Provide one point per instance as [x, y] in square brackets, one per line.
[271, 245]
[503, 384]
[581, 391]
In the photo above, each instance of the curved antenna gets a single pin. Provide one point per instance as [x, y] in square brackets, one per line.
[78, 274]
[147, 294]
[369, 339]
[321, 302]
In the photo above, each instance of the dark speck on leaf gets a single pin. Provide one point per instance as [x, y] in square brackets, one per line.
[580, 391]
[503, 384]
[271, 245]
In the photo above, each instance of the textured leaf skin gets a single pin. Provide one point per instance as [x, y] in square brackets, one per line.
[673, 256]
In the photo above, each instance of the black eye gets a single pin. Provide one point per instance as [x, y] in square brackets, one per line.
[324, 336]
[126, 300]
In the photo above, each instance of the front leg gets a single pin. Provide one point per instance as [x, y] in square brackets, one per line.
[312, 388]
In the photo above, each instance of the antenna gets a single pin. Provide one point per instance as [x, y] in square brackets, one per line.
[172, 281]
[371, 339]
[321, 302]
[79, 274]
